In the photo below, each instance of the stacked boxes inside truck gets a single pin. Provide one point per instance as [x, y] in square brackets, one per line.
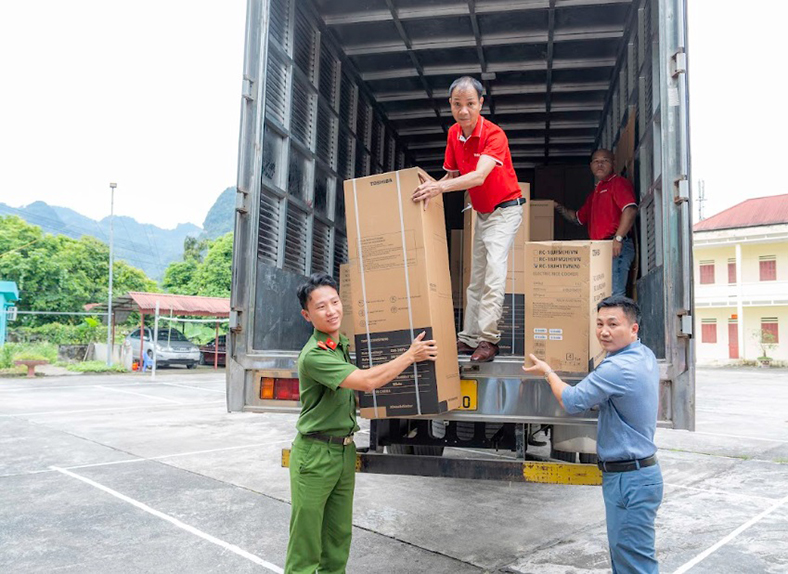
[567, 280]
[401, 286]
[542, 217]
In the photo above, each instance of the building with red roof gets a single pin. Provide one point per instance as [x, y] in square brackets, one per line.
[741, 282]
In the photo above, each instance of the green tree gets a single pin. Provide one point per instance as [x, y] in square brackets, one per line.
[214, 275]
[179, 277]
[193, 248]
[58, 273]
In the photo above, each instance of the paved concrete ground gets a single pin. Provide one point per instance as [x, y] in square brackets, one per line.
[118, 473]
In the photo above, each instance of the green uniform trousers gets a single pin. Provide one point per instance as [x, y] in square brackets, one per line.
[322, 481]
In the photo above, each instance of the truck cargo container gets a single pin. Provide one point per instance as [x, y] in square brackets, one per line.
[338, 89]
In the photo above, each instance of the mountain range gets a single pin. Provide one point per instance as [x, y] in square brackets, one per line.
[142, 245]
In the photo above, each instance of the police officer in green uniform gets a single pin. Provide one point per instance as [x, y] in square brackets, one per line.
[323, 457]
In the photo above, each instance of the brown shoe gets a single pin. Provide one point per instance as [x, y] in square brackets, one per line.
[464, 348]
[485, 352]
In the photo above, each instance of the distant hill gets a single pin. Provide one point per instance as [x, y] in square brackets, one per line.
[221, 216]
[142, 245]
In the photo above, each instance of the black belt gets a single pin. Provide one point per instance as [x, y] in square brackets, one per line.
[627, 465]
[510, 203]
[343, 440]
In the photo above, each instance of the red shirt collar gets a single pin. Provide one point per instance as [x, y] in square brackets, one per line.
[477, 131]
[607, 180]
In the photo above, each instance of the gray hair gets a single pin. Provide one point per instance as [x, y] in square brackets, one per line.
[467, 82]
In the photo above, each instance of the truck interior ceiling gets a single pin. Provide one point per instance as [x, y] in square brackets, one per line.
[356, 88]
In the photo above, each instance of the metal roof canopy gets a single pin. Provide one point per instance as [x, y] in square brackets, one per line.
[145, 303]
[546, 65]
[755, 212]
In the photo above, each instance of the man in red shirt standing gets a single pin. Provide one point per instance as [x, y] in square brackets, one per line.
[609, 213]
[478, 159]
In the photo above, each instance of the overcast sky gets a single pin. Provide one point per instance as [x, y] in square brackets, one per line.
[147, 94]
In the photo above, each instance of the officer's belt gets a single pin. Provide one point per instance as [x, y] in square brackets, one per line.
[343, 440]
[627, 465]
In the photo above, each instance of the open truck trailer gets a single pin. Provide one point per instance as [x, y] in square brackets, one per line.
[338, 89]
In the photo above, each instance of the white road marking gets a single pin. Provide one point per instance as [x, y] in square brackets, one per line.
[111, 409]
[720, 492]
[142, 395]
[703, 555]
[144, 459]
[196, 388]
[177, 454]
[146, 383]
[172, 520]
[739, 436]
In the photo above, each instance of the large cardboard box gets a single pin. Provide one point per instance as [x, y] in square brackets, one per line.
[511, 324]
[346, 296]
[566, 279]
[542, 215]
[401, 286]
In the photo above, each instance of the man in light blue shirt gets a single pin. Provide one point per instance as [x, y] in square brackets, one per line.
[625, 387]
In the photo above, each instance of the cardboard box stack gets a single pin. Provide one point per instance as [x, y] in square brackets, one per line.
[511, 325]
[566, 281]
[400, 286]
[542, 216]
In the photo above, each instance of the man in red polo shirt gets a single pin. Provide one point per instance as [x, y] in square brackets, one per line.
[609, 213]
[478, 159]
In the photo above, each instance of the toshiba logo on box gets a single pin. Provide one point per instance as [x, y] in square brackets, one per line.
[381, 181]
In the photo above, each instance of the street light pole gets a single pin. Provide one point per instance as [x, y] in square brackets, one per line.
[112, 187]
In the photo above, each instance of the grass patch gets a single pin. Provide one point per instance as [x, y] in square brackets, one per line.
[11, 352]
[781, 460]
[12, 372]
[95, 367]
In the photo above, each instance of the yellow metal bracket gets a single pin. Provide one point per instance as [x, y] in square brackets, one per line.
[562, 473]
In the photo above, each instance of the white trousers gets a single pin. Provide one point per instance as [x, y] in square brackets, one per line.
[493, 237]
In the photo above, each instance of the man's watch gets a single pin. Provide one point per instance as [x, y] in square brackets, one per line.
[619, 238]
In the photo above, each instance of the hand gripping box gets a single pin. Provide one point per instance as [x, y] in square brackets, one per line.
[566, 279]
[400, 286]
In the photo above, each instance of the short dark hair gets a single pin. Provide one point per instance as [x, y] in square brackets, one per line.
[627, 305]
[605, 151]
[315, 280]
[467, 81]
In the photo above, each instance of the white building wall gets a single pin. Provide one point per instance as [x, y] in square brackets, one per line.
[759, 299]
[752, 323]
[712, 353]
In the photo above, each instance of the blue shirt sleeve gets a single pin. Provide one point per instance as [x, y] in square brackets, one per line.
[600, 385]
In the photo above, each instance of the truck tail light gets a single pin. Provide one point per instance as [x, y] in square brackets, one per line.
[267, 388]
[279, 389]
[286, 389]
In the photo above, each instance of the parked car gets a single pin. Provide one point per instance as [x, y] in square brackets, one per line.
[172, 347]
[211, 349]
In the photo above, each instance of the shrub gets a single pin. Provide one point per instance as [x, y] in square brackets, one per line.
[7, 356]
[26, 351]
[89, 331]
[95, 367]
